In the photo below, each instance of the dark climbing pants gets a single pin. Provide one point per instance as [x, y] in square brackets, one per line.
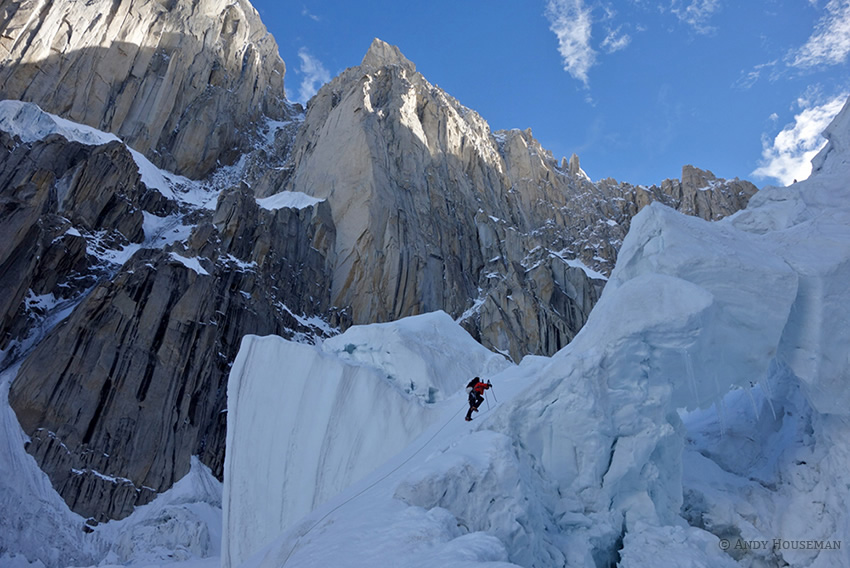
[475, 399]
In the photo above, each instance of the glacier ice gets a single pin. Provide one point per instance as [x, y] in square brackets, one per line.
[305, 419]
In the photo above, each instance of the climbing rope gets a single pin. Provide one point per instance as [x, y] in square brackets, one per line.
[370, 486]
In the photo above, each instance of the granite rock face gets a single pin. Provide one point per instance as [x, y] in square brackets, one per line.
[160, 74]
[122, 393]
[435, 211]
[52, 191]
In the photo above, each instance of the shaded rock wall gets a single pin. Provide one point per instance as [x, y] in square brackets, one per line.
[121, 394]
[50, 190]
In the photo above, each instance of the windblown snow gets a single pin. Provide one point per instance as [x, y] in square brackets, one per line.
[701, 418]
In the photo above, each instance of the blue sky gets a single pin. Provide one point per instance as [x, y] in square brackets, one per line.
[636, 88]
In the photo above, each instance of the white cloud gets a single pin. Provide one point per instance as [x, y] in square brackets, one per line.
[571, 22]
[306, 13]
[696, 13]
[315, 75]
[788, 157]
[616, 40]
[830, 42]
[751, 77]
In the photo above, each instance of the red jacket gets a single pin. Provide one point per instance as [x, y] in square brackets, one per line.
[480, 387]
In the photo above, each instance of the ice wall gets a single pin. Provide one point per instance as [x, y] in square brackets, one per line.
[306, 421]
[807, 224]
[684, 318]
[693, 310]
[427, 356]
[810, 223]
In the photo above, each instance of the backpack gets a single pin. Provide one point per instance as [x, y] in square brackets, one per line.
[471, 384]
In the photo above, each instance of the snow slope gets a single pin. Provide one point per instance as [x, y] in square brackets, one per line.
[702, 409]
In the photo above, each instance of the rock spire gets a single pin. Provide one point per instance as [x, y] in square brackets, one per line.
[382, 54]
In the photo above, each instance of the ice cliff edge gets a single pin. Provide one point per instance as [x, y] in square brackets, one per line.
[310, 420]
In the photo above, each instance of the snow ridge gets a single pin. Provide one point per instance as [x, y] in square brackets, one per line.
[326, 405]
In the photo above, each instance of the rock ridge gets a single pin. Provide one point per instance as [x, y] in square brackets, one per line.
[141, 384]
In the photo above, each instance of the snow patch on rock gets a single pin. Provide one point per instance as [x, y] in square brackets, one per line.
[290, 199]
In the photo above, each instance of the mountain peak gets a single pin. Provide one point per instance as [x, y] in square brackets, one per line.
[381, 54]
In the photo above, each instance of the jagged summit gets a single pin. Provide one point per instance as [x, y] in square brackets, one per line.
[400, 162]
[574, 167]
[381, 53]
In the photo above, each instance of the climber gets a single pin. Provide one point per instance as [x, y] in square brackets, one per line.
[476, 389]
